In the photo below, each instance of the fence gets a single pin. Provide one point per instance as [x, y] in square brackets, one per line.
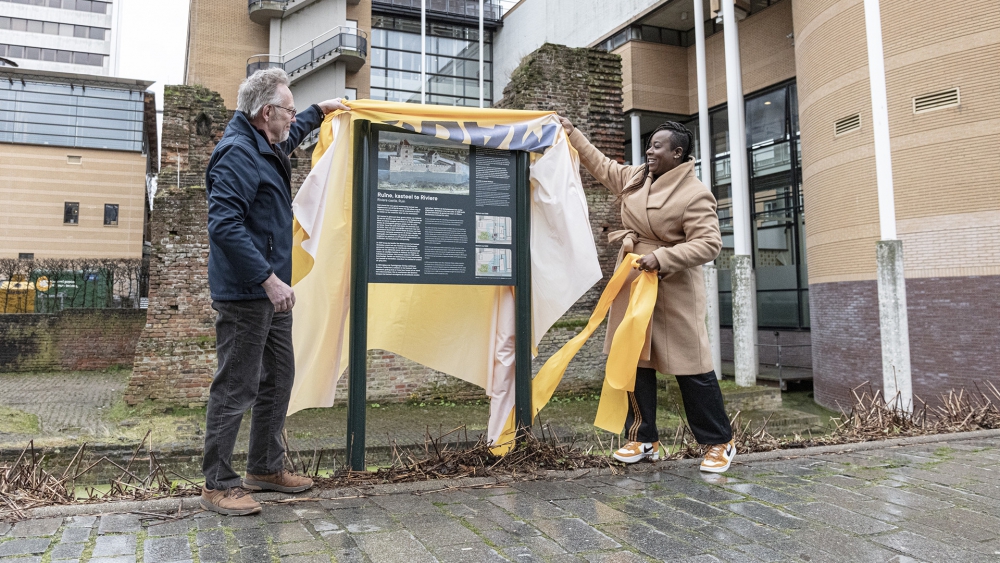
[52, 285]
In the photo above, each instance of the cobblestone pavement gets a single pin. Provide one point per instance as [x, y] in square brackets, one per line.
[921, 502]
[69, 402]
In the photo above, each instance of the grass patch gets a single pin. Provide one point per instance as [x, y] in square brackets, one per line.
[13, 421]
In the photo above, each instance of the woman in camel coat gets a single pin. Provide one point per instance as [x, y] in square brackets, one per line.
[670, 218]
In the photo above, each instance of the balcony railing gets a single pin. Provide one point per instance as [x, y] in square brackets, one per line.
[464, 9]
[261, 11]
[342, 44]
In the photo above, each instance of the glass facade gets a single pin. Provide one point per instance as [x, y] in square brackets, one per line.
[452, 62]
[93, 6]
[53, 28]
[70, 115]
[52, 55]
[777, 222]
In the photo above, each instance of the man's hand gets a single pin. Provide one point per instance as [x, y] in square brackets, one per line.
[649, 263]
[281, 295]
[332, 105]
[567, 124]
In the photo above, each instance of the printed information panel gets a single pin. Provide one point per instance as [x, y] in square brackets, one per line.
[442, 212]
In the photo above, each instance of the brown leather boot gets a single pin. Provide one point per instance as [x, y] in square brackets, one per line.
[282, 481]
[231, 502]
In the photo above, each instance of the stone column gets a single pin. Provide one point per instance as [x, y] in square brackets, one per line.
[712, 315]
[744, 286]
[893, 325]
[744, 321]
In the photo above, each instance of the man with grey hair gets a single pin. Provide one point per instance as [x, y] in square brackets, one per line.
[248, 183]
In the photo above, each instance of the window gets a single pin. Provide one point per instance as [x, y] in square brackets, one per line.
[777, 221]
[25, 255]
[452, 62]
[37, 54]
[71, 213]
[110, 214]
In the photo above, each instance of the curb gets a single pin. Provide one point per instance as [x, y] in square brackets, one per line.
[167, 505]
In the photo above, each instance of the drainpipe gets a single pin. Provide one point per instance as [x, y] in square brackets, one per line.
[744, 282]
[893, 321]
[482, 66]
[705, 149]
[423, 51]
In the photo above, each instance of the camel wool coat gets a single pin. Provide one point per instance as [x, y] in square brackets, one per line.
[673, 217]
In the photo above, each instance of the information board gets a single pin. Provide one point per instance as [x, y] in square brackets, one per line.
[441, 212]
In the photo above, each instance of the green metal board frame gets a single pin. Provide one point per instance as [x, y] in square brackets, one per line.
[364, 136]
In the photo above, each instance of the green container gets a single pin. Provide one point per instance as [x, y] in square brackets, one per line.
[69, 289]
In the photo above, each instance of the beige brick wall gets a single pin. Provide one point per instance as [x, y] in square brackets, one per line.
[36, 181]
[654, 77]
[663, 78]
[221, 37]
[767, 55]
[945, 163]
[361, 80]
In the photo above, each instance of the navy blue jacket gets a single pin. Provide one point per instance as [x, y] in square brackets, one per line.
[248, 184]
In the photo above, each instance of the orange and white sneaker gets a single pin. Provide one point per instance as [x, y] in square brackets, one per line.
[719, 457]
[638, 451]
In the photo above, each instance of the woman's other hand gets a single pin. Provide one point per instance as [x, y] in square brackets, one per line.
[649, 263]
[567, 124]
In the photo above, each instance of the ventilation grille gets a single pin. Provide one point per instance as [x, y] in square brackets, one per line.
[71, 159]
[847, 124]
[936, 100]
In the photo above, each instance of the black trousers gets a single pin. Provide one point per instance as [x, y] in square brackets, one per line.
[256, 371]
[703, 404]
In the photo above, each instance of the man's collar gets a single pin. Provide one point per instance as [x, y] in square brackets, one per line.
[263, 146]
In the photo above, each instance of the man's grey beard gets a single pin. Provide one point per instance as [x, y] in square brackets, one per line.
[284, 136]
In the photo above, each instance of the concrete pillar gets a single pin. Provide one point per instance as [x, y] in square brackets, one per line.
[712, 315]
[744, 321]
[636, 138]
[893, 322]
[705, 150]
[744, 284]
[893, 325]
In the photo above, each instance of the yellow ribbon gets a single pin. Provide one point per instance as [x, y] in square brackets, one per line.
[626, 347]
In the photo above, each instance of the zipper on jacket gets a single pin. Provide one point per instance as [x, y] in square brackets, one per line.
[270, 246]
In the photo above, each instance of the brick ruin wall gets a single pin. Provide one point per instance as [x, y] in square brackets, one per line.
[73, 339]
[175, 356]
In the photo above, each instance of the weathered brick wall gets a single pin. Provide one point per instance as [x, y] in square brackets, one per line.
[585, 86]
[74, 339]
[175, 357]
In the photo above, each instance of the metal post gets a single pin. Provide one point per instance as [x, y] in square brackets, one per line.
[522, 297]
[893, 318]
[482, 65]
[636, 123]
[705, 150]
[358, 343]
[744, 283]
[423, 51]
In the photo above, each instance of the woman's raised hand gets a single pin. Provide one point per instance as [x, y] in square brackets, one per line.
[567, 124]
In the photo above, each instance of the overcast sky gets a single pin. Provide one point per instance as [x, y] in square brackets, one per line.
[153, 40]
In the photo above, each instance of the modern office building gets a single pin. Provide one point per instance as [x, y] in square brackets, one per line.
[353, 48]
[75, 151]
[810, 146]
[74, 36]
[814, 208]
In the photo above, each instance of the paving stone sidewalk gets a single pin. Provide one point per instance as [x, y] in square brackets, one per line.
[920, 502]
[65, 402]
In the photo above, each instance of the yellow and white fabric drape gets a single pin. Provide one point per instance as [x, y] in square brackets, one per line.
[626, 348]
[464, 331]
